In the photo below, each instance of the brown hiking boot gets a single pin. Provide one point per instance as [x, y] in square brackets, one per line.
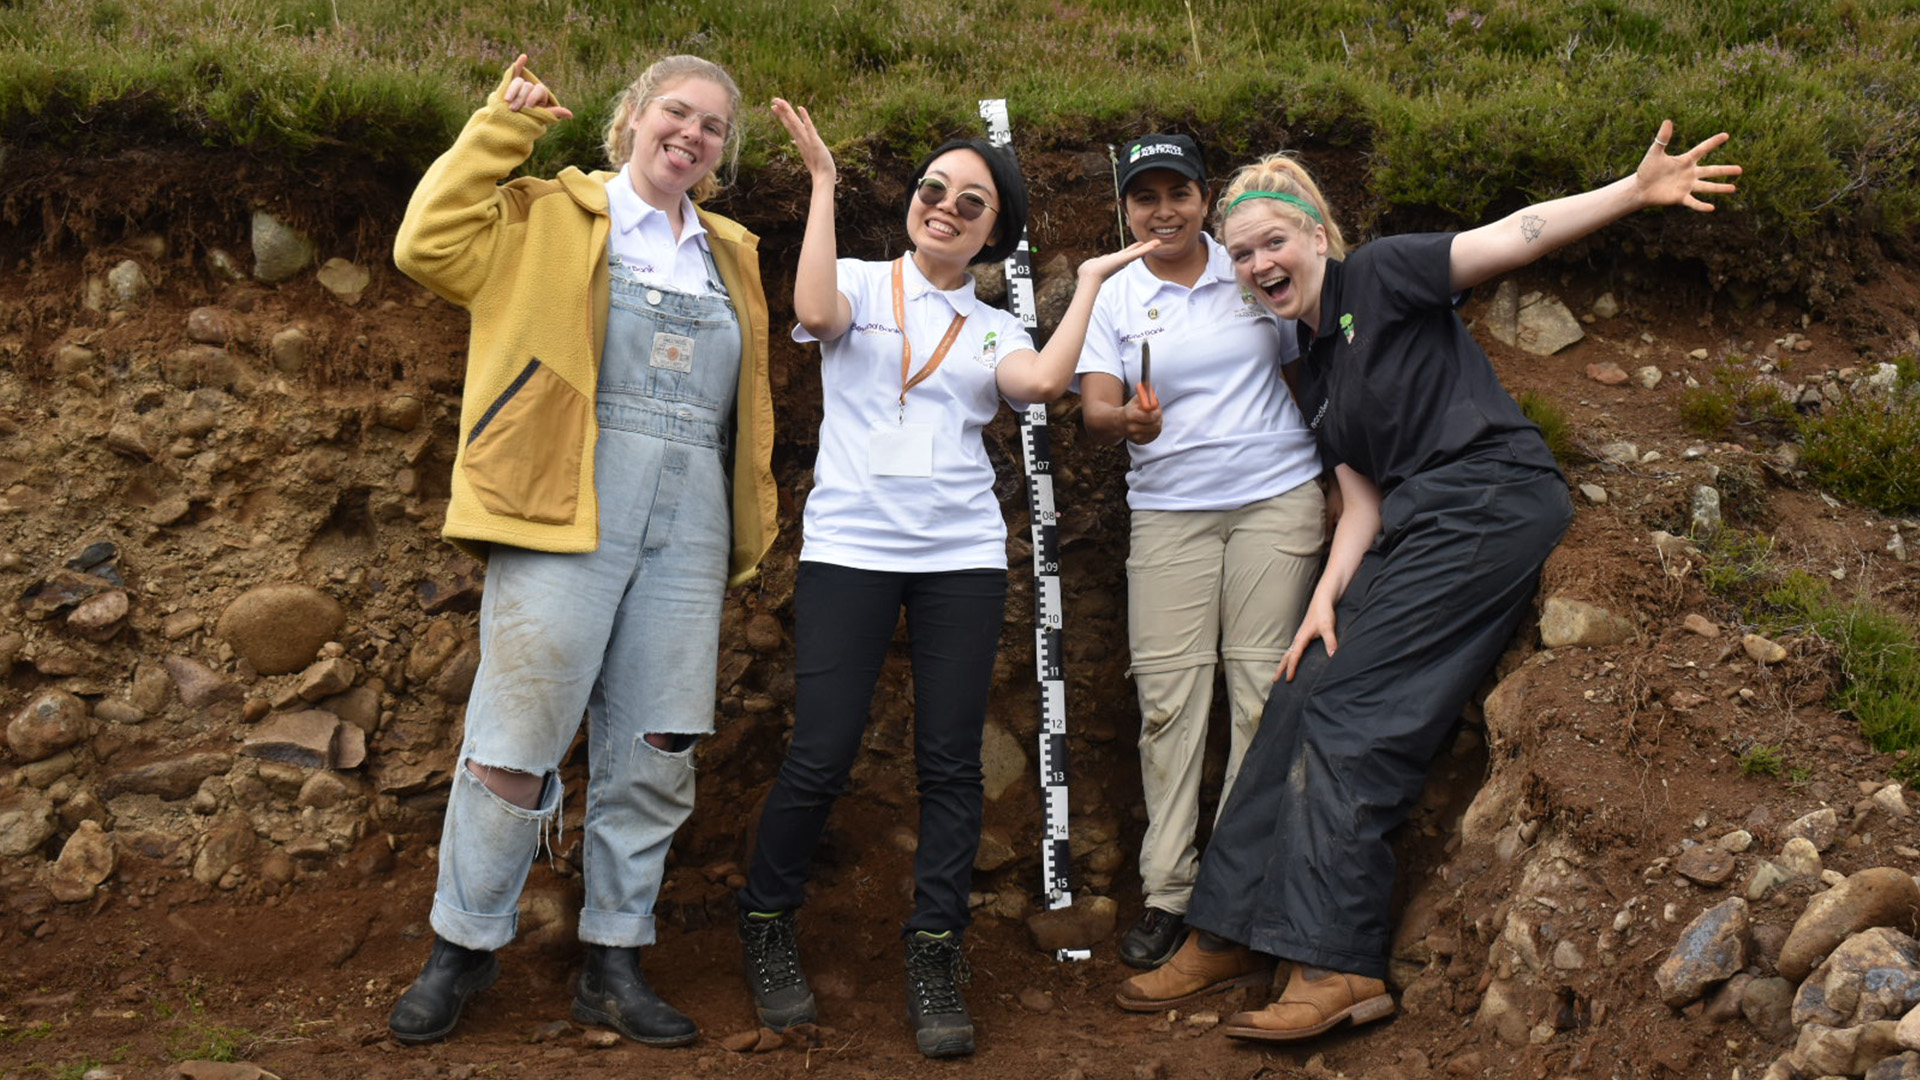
[1192, 973]
[1315, 1000]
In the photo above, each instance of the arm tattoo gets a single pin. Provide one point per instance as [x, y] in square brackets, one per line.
[1531, 226]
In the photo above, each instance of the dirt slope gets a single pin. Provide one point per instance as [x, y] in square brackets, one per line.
[213, 468]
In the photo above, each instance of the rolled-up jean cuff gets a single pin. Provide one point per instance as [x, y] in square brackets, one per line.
[471, 931]
[616, 929]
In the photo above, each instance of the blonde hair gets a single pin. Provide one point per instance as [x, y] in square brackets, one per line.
[1283, 174]
[665, 72]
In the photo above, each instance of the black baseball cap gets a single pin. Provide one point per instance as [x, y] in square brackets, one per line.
[1177, 152]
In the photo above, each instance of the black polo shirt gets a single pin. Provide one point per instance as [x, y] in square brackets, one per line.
[1393, 384]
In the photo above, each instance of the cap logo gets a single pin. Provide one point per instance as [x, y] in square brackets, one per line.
[1148, 149]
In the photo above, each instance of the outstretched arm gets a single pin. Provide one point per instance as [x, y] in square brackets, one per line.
[1662, 179]
[1044, 375]
[817, 300]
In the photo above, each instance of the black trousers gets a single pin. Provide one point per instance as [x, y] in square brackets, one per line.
[1300, 865]
[843, 622]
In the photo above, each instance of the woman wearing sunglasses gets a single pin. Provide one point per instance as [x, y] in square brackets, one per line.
[1452, 504]
[1227, 516]
[613, 470]
[902, 515]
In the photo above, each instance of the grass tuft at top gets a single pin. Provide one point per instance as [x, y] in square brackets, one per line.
[1463, 108]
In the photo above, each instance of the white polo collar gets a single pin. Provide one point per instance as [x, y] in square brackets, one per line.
[917, 286]
[629, 211]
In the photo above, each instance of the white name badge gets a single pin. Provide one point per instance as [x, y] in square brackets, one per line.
[672, 352]
[900, 449]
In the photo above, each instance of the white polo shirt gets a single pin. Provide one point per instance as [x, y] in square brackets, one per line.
[1230, 432]
[643, 239]
[950, 520]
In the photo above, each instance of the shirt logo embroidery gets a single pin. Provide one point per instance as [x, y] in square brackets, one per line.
[1147, 333]
[874, 328]
[990, 349]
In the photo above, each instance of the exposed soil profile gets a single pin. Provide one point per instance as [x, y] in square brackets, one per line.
[213, 467]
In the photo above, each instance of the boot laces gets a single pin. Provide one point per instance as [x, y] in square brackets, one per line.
[776, 953]
[937, 969]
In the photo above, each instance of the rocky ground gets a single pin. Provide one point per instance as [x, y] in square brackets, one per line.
[235, 655]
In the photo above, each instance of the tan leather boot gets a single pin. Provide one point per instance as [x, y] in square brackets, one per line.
[1192, 973]
[1314, 1001]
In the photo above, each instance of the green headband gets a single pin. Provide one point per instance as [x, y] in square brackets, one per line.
[1293, 200]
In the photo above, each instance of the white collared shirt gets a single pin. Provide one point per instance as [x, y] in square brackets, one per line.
[643, 239]
[1230, 432]
[950, 520]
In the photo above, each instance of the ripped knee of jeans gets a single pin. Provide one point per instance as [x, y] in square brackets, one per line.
[668, 742]
[522, 789]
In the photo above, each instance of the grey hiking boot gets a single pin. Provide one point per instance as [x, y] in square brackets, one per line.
[770, 952]
[936, 969]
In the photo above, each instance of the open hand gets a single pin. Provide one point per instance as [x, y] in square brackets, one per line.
[1678, 179]
[806, 138]
[525, 91]
[1101, 267]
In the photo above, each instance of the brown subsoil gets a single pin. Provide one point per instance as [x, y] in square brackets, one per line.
[1619, 756]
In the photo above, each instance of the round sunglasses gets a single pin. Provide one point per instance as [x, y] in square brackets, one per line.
[968, 204]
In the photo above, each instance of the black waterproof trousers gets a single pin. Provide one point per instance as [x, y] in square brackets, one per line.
[844, 619]
[1299, 865]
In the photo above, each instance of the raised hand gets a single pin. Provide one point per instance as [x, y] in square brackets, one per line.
[1678, 179]
[806, 138]
[525, 91]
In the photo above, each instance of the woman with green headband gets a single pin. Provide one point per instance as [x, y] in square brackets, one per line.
[1452, 504]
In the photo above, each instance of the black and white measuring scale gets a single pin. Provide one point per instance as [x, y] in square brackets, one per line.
[1056, 855]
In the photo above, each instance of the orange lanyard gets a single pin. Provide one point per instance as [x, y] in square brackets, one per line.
[906, 346]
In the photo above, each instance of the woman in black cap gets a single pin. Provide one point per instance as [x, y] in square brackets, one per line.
[1227, 520]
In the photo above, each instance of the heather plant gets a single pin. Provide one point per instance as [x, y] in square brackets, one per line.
[1864, 445]
[1462, 109]
[1552, 422]
[1876, 649]
[1761, 759]
[1733, 394]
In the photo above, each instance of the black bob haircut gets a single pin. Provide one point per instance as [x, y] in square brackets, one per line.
[1011, 221]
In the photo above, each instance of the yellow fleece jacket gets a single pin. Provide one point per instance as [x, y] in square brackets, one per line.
[528, 260]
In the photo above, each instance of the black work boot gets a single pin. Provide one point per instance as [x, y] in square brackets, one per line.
[936, 969]
[432, 1005]
[771, 955]
[1153, 940]
[612, 991]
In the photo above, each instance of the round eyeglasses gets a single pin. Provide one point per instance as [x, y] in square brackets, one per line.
[968, 204]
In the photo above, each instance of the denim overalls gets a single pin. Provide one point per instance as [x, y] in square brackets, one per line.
[628, 633]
